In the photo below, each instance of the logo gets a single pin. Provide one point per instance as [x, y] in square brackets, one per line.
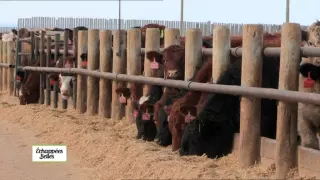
[49, 153]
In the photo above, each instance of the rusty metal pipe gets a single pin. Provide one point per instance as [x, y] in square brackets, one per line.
[268, 93]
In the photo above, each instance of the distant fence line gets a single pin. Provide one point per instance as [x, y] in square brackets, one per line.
[112, 24]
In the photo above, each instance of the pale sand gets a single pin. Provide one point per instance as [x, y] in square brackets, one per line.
[99, 149]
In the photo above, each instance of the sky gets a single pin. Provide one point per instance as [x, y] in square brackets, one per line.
[304, 12]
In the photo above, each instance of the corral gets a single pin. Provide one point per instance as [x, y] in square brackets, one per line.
[105, 48]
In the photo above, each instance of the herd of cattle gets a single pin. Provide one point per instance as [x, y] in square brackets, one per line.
[194, 122]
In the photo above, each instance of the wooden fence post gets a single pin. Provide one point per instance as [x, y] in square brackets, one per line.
[56, 57]
[48, 86]
[4, 70]
[193, 51]
[1, 61]
[119, 66]
[105, 85]
[81, 80]
[32, 44]
[172, 37]
[10, 60]
[65, 55]
[75, 54]
[221, 41]
[286, 145]
[93, 64]
[133, 62]
[250, 108]
[42, 63]
[152, 44]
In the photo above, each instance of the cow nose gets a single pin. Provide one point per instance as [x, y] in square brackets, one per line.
[65, 91]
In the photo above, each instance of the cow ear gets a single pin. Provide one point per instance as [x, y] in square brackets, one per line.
[304, 35]
[124, 90]
[154, 55]
[305, 68]
[84, 57]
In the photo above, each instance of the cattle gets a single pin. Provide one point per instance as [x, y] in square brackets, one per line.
[309, 124]
[30, 89]
[212, 130]
[31, 79]
[65, 81]
[212, 126]
[144, 113]
[176, 119]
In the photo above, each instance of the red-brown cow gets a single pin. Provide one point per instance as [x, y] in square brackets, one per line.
[30, 90]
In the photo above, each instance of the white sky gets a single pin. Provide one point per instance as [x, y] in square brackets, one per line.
[227, 11]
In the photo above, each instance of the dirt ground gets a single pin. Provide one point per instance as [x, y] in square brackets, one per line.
[99, 149]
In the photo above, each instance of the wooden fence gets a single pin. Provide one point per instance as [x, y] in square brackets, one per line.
[94, 97]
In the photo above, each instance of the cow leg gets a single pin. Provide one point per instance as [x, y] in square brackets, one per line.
[140, 126]
[164, 134]
[308, 134]
[156, 139]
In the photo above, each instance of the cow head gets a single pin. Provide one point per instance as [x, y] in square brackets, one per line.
[124, 94]
[20, 75]
[173, 59]
[65, 81]
[189, 112]
[146, 108]
[66, 85]
[314, 34]
[84, 60]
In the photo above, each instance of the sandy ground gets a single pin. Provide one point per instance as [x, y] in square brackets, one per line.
[99, 149]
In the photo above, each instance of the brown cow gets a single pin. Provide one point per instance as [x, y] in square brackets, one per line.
[30, 90]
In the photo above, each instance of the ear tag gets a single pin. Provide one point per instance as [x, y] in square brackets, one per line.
[154, 64]
[308, 83]
[84, 63]
[18, 78]
[135, 114]
[53, 82]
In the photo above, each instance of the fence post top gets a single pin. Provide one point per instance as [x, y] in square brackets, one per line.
[221, 28]
[152, 29]
[133, 30]
[194, 30]
[171, 29]
[93, 30]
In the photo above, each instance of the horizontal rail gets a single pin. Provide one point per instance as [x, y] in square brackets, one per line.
[237, 52]
[268, 93]
[5, 65]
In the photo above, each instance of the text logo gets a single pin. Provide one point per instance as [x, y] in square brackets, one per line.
[49, 153]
